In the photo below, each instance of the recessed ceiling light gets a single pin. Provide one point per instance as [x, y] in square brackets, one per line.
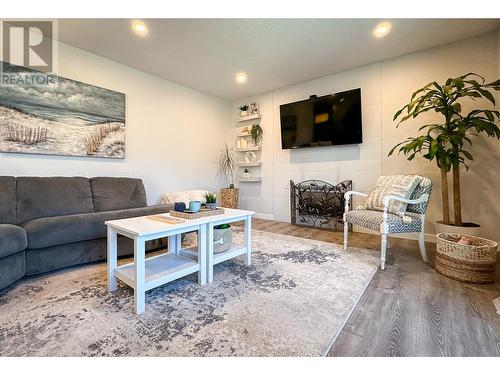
[382, 29]
[241, 77]
[139, 27]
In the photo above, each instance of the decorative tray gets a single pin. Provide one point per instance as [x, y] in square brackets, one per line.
[203, 213]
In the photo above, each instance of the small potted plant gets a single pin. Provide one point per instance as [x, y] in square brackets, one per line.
[243, 110]
[223, 237]
[246, 174]
[211, 200]
[256, 133]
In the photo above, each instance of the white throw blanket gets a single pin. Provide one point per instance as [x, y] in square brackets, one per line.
[184, 196]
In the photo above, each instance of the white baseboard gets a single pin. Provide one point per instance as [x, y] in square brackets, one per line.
[259, 215]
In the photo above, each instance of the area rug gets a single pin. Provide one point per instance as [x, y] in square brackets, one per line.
[291, 301]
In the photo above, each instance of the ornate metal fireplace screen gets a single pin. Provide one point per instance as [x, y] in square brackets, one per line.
[316, 203]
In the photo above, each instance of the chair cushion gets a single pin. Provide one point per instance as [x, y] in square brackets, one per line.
[52, 196]
[8, 200]
[398, 185]
[373, 220]
[117, 193]
[59, 230]
[12, 239]
[424, 187]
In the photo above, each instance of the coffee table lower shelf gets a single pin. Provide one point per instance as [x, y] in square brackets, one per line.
[159, 270]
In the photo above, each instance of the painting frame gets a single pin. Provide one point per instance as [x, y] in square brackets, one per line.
[69, 118]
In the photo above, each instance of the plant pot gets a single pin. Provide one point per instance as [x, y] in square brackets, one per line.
[243, 113]
[470, 229]
[229, 197]
[223, 239]
[211, 206]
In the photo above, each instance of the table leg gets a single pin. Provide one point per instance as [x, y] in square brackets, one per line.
[172, 244]
[248, 240]
[202, 254]
[112, 259]
[140, 275]
[178, 244]
[210, 252]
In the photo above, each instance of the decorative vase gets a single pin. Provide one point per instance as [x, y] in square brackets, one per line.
[211, 206]
[229, 197]
[243, 113]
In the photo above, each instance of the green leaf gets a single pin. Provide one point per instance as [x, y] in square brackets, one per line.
[488, 95]
[467, 154]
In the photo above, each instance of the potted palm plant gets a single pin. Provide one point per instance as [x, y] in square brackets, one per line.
[443, 141]
[229, 196]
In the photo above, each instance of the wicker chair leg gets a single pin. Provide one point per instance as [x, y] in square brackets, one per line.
[383, 251]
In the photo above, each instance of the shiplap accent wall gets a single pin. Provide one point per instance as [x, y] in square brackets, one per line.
[361, 163]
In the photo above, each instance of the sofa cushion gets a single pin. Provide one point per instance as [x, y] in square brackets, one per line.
[8, 200]
[117, 193]
[59, 230]
[52, 196]
[12, 239]
[12, 268]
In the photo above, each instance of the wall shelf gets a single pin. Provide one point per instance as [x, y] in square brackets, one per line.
[252, 148]
[249, 164]
[250, 179]
[248, 118]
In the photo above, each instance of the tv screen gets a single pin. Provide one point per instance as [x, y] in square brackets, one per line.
[322, 121]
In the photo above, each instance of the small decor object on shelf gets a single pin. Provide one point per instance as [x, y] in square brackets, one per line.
[246, 173]
[223, 238]
[211, 200]
[256, 133]
[250, 157]
[466, 258]
[243, 110]
[254, 108]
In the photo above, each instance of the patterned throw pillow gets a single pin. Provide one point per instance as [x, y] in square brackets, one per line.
[399, 185]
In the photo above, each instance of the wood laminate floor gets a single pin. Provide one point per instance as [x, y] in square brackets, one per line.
[409, 309]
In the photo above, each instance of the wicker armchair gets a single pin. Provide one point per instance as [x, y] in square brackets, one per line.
[386, 223]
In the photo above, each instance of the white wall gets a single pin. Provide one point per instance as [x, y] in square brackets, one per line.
[385, 87]
[173, 132]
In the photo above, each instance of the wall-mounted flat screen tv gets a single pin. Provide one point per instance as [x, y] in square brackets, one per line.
[322, 121]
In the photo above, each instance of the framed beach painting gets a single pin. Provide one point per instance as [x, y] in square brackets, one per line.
[64, 118]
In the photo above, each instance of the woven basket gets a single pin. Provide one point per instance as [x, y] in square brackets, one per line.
[474, 263]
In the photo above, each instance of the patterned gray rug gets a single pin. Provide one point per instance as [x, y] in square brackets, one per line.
[291, 301]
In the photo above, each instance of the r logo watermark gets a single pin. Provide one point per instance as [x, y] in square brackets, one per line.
[29, 52]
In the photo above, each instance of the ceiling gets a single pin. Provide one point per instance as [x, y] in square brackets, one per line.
[205, 54]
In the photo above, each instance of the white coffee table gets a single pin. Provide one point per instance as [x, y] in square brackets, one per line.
[145, 274]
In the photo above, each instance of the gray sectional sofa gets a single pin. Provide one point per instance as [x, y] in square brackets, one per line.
[47, 223]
